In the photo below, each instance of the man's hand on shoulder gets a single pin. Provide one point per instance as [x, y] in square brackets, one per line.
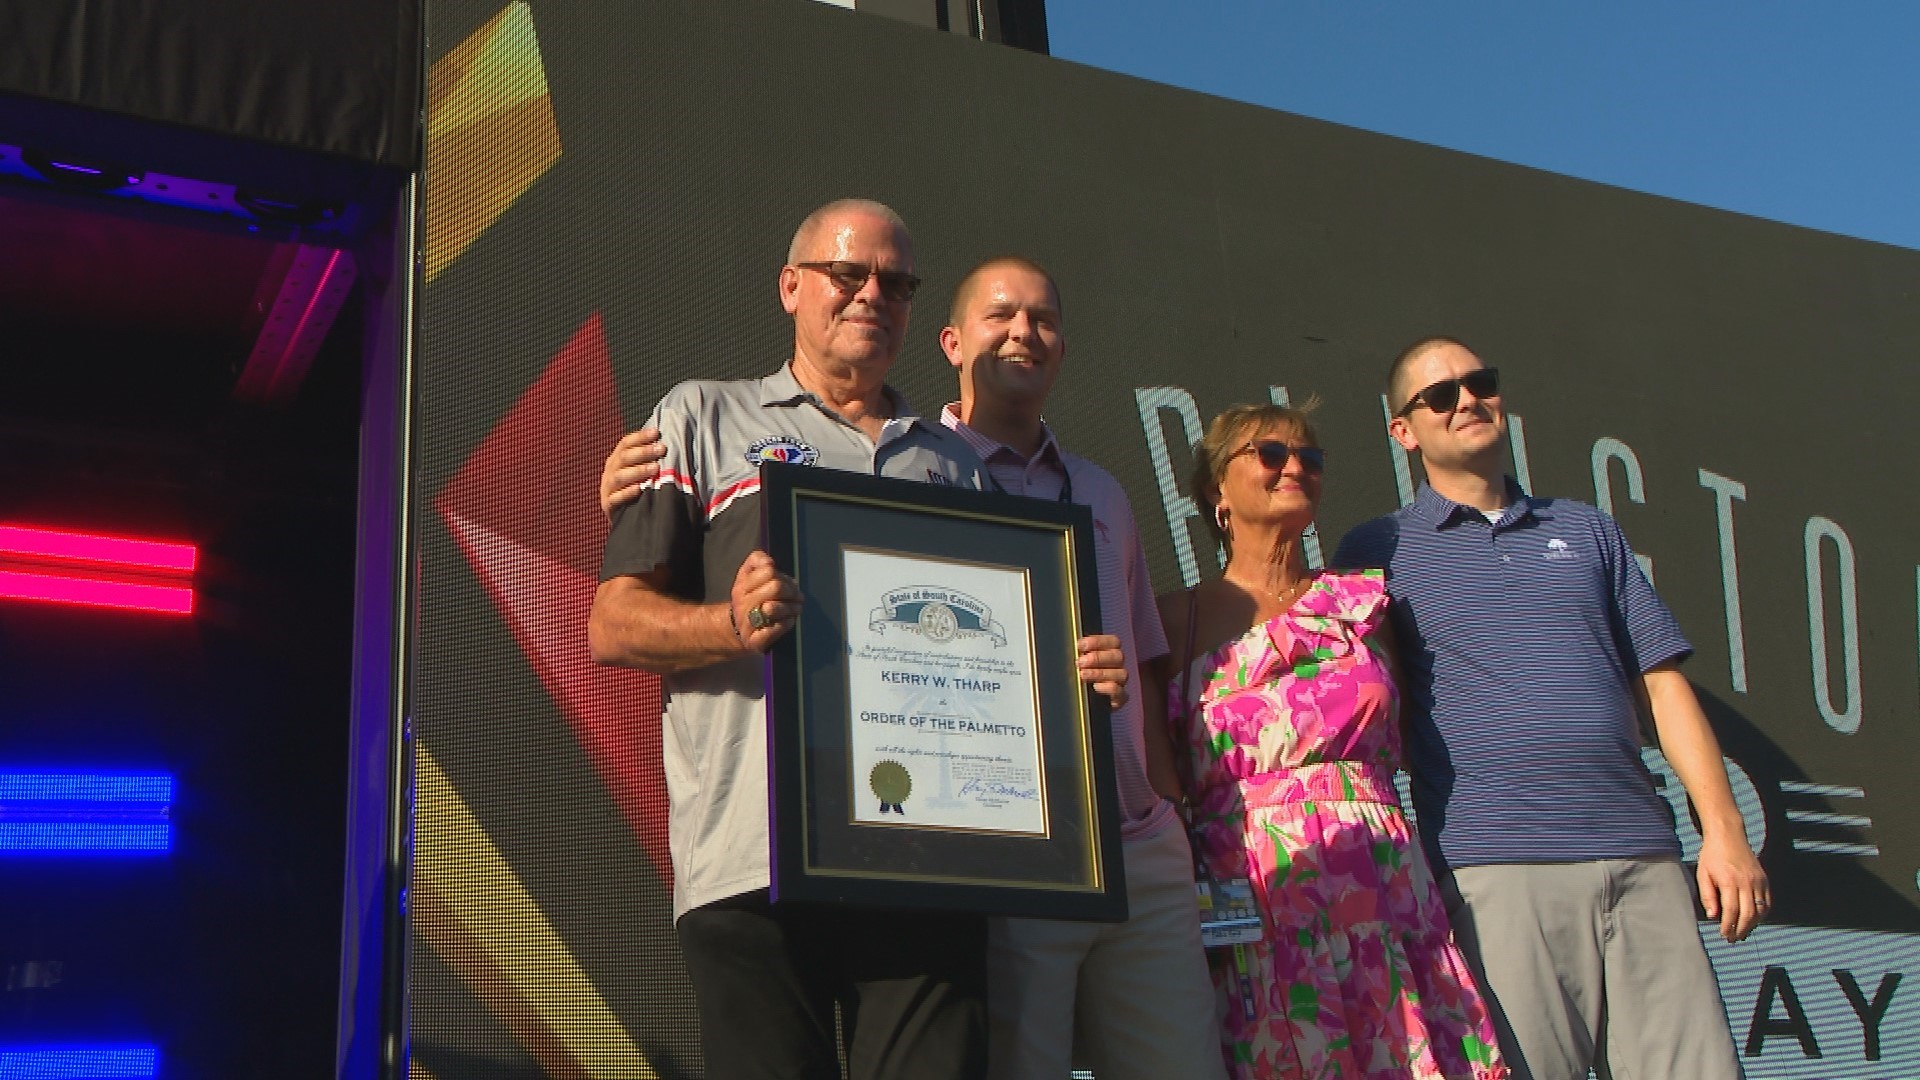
[634, 462]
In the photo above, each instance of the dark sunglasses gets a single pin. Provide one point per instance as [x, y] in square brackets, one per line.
[850, 277]
[1274, 454]
[1442, 396]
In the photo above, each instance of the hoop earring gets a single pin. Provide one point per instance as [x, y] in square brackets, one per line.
[1220, 520]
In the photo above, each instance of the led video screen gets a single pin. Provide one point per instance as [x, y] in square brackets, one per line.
[610, 191]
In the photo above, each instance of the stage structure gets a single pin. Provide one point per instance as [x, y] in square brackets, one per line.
[609, 194]
[199, 304]
[369, 810]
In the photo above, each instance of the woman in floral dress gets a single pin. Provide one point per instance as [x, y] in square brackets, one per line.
[1287, 719]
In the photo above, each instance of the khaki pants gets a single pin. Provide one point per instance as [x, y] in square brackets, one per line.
[1594, 964]
[1139, 989]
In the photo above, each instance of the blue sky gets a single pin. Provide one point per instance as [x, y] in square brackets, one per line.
[1802, 112]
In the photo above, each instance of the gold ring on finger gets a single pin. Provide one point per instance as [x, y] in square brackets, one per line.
[757, 618]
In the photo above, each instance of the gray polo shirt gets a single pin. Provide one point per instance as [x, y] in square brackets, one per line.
[698, 519]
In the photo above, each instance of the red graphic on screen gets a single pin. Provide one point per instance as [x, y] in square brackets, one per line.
[523, 510]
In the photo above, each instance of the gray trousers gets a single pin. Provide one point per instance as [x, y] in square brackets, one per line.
[1593, 965]
[1137, 992]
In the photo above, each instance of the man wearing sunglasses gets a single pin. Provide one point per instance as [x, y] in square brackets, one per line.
[1138, 992]
[1530, 640]
[685, 593]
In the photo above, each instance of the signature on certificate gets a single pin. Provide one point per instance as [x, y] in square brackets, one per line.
[995, 789]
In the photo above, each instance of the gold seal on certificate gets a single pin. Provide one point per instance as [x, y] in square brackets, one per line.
[891, 781]
[940, 680]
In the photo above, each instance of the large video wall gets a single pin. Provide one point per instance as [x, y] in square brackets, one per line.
[609, 194]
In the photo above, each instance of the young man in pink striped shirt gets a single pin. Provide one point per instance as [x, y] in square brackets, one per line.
[1137, 992]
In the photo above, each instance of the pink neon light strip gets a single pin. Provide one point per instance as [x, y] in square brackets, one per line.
[166, 599]
[282, 366]
[155, 555]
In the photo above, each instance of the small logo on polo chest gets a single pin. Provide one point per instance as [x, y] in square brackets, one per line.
[1559, 549]
[781, 448]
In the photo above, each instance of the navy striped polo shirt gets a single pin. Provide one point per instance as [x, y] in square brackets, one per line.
[1520, 641]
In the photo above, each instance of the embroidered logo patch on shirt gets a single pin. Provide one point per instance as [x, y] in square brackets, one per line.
[1559, 549]
[781, 448]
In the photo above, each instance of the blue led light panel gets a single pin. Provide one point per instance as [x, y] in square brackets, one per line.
[92, 788]
[99, 837]
[79, 1062]
[85, 813]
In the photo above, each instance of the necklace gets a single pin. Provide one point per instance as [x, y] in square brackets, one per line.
[1286, 596]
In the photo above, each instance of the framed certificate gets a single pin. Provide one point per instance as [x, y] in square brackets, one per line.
[930, 743]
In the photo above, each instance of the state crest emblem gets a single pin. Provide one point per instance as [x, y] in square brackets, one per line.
[940, 615]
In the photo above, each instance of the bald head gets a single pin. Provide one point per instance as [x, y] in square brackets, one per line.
[1397, 390]
[808, 238]
[969, 287]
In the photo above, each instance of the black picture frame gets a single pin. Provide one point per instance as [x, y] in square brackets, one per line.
[820, 853]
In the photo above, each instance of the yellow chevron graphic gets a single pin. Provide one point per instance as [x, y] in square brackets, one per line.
[490, 132]
[472, 908]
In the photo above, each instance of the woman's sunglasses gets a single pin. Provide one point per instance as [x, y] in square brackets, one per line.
[1442, 396]
[1274, 454]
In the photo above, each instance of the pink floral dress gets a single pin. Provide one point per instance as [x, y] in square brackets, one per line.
[1293, 741]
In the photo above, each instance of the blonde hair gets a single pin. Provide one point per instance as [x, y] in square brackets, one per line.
[1226, 436]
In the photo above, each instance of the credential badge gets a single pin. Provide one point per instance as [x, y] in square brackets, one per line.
[781, 448]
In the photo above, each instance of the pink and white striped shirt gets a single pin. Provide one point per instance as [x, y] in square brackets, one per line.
[1126, 594]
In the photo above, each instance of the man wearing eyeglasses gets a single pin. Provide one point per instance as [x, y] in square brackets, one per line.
[685, 593]
[1529, 641]
[1138, 992]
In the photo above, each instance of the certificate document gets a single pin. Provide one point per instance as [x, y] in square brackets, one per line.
[942, 695]
[929, 742]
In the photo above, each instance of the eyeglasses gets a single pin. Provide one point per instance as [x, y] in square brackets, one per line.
[1274, 454]
[850, 277]
[1442, 396]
